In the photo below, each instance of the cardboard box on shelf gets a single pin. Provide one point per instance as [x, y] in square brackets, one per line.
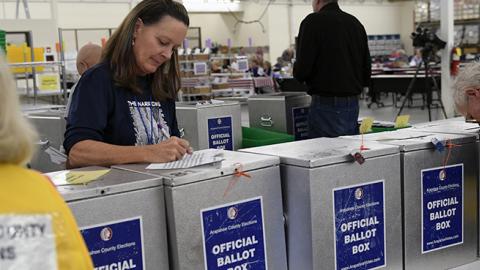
[200, 57]
[200, 90]
[220, 85]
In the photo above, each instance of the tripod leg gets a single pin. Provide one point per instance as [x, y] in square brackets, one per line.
[409, 89]
[429, 103]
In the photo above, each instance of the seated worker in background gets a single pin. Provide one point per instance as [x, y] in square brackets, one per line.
[398, 59]
[255, 67]
[267, 68]
[28, 200]
[467, 91]
[215, 67]
[287, 55]
[124, 107]
[278, 65]
[226, 65]
[416, 59]
[88, 56]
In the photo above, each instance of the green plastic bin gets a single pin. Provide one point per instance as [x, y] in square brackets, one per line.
[3, 41]
[383, 129]
[253, 137]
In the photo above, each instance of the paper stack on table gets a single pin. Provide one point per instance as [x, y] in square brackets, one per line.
[197, 158]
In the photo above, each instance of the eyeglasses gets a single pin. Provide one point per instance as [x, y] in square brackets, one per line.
[472, 91]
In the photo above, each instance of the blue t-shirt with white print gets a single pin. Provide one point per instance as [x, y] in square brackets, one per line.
[102, 111]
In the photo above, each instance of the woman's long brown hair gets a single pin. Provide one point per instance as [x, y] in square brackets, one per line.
[118, 51]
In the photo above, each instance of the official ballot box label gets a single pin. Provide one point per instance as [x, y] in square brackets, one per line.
[234, 237]
[300, 122]
[116, 245]
[220, 135]
[442, 207]
[359, 226]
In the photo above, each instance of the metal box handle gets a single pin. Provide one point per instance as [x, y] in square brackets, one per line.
[44, 144]
[266, 121]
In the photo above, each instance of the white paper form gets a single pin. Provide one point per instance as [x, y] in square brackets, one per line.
[201, 157]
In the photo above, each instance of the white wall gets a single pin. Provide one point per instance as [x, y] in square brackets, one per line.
[37, 10]
[221, 26]
[91, 15]
[408, 25]
[44, 31]
[278, 36]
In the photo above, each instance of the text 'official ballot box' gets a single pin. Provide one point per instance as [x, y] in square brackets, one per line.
[340, 214]
[439, 196]
[285, 112]
[50, 125]
[121, 216]
[227, 216]
[216, 125]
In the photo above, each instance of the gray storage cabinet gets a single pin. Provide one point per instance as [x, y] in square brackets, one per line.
[219, 220]
[211, 125]
[439, 197]
[285, 112]
[122, 219]
[340, 214]
[50, 125]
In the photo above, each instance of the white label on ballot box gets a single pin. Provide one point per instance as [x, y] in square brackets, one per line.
[27, 242]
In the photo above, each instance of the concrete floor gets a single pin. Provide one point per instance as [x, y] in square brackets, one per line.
[389, 112]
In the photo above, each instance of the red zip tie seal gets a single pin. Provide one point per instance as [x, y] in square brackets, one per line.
[237, 174]
[449, 145]
[357, 156]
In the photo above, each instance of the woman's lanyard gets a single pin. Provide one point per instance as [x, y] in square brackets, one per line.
[151, 136]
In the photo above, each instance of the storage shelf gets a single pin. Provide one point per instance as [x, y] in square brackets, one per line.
[34, 64]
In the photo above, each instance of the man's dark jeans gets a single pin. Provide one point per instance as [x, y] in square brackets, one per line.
[333, 116]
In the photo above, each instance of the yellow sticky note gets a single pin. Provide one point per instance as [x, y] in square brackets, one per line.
[402, 121]
[76, 177]
[366, 125]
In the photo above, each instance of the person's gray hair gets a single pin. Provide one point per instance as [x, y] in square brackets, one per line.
[468, 78]
[17, 136]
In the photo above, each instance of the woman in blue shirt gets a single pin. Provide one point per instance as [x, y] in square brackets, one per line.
[123, 109]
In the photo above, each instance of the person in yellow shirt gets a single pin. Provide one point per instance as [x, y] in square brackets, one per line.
[37, 229]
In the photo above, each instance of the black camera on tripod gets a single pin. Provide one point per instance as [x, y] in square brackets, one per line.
[429, 42]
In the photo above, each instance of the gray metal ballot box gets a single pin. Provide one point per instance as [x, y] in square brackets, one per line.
[50, 125]
[122, 218]
[227, 216]
[216, 125]
[340, 214]
[456, 126]
[439, 197]
[285, 112]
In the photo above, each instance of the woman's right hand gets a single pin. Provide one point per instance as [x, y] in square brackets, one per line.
[167, 151]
